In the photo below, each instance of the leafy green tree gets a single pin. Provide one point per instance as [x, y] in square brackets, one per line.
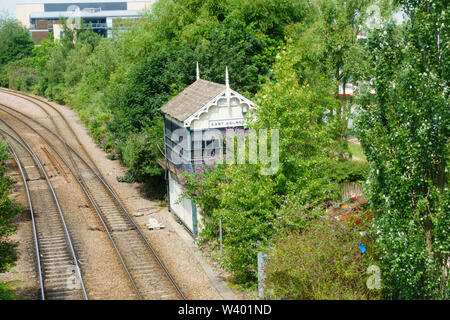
[330, 49]
[148, 84]
[15, 41]
[296, 103]
[65, 63]
[8, 210]
[404, 129]
[15, 44]
[96, 73]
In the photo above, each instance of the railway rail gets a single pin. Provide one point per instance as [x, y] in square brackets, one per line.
[59, 273]
[146, 271]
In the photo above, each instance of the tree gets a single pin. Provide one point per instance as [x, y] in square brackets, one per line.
[404, 129]
[15, 44]
[15, 41]
[331, 49]
[295, 102]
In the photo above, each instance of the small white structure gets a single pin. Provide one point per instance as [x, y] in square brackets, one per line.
[200, 108]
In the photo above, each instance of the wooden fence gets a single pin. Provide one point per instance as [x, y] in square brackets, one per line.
[349, 189]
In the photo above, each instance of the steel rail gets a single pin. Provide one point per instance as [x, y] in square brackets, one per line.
[30, 204]
[30, 98]
[55, 198]
[106, 185]
[85, 189]
[96, 171]
[98, 175]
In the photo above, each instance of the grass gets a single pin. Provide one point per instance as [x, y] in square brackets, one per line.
[356, 150]
[6, 291]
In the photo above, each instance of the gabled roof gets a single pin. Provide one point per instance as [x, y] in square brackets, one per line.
[191, 99]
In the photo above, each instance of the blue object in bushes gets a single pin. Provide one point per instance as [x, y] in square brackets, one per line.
[363, 249]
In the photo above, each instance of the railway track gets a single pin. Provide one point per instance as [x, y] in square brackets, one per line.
[146, 271]
[58, 269]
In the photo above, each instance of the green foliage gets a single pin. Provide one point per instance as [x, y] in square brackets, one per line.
[298, 107]
[6, 293]
[15, 44]
[246, 203]
[41, 53]
[328, 53]
[8, 210]
[97, 70]
[21, 75]
[252, 206]
[323, 261]
[66, 63]
[404, 130]
[349, 171]
[356, 150]
[148, 85]
[141, 151]
[15, 41]
[289, 57]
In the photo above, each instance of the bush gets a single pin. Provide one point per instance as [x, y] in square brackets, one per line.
[6, 293]
[246, 203]
[15, 44]
[349, 171]
[8, 210]
[322, 262]
[140, 153]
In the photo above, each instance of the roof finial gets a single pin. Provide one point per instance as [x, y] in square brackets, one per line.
[198, 72]
[227, 84]
[227, 78]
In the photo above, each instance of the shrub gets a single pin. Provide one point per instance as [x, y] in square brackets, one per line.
[8, 210]
[6, 293]
[349, 171]
[246, 203]
[141, 151]
[15, 44]
[324, 261]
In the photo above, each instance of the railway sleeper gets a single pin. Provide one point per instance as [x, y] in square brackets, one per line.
[121, 228]
[59, 268]
[53, 248]
[55, 240]
[56, 257]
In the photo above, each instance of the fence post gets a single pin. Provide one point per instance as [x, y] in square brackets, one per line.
[262, 256]
[221, 240]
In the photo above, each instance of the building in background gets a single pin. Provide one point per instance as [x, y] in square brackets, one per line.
[41, 19]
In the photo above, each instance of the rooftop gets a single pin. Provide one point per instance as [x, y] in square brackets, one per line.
[191, 99]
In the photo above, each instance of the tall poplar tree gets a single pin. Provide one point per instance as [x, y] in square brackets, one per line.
[404, 129]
